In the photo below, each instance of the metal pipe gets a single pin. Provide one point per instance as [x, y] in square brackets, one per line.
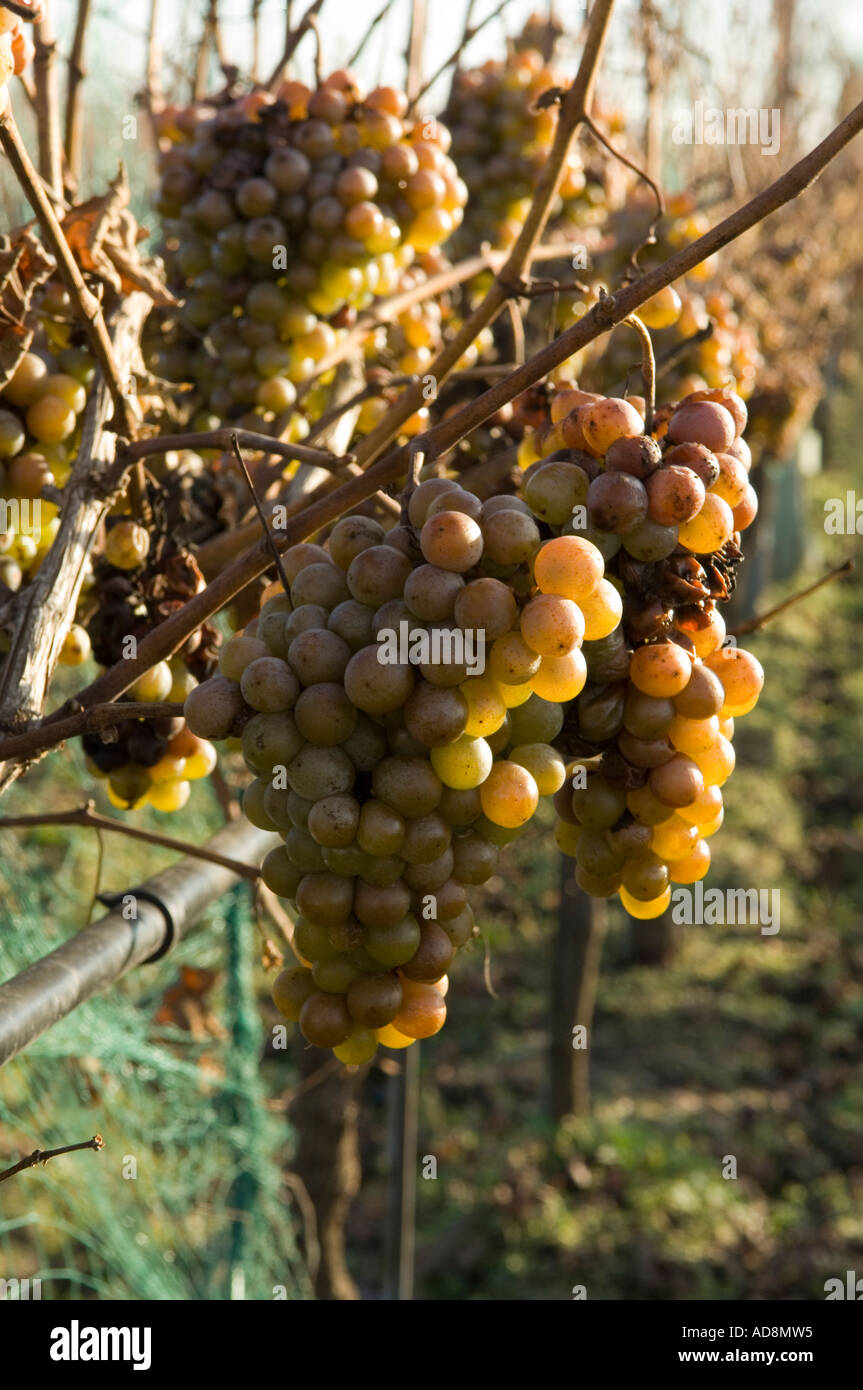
[145, 923]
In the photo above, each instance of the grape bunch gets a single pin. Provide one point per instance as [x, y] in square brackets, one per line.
[396, 770]
[284, 219]
[40, 409]
[16, 47]
[700, 340]
[502, 134]
[150, 761]
[651, 731]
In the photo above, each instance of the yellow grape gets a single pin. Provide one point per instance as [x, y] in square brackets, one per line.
[717, 763]
[673, 839]
[463, 764]
[168, 769]
[514, 695]
[710, 529]
[567, 837]
[486, 709]
[704, 809]
[644, 911]
[126, 545]
[544, 764]
[201, 763]
[560, 678]
[67, 388]
[76, 646]
[693, 735]
[710, 827]
[708, 639]
[602, 611]
[512, 661]
[509, 795]
[742, 678]
[169, 796]
[691, 868]
[360, 1046]
[391, 1037]
[50, 420]
[662, 309]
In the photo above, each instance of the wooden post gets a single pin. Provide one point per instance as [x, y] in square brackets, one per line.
[328, 1162]
[574, 983]
[402, 1121]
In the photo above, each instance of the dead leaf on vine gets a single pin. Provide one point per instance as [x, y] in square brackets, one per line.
[24, 266]
[104, 236]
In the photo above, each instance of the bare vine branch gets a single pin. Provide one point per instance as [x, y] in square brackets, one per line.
[41, 1156]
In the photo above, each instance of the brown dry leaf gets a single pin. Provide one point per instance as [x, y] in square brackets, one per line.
[104, 238]
[24, 266]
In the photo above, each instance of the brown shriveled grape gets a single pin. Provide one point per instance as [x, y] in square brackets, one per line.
[318, 655]
[377, 574]
[351, 535]
[377, 687]
[333, 822]
[510, 538]
[486, 605]
[322, 584]
[433, 957]
[424, 495]
[324, 714]
[435, 715]
[381, 830]
[409, 784]
[431, 593]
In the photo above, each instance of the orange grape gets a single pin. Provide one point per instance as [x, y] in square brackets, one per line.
[673, 839]
[602, 610]
[705, 808]
[693, 735]
[423, 1013]
[569, 566]
[661, 669]
[693, 866]
[560, 678]
[552, 625]
[742, 678]
[509, 795]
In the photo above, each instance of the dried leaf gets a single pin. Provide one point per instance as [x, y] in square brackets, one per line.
[24, 266]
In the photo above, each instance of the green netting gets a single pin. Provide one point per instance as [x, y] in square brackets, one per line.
[185, 1201]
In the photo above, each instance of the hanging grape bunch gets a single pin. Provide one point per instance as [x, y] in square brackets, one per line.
[651, 732]
[395, 777]
[40, 410]
[701, 310]
[283, 220]
[150, 761]
[503, 127]
[16, 47]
